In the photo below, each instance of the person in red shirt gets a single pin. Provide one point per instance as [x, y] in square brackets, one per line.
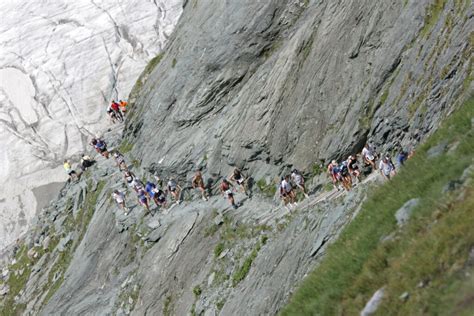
[116, 108]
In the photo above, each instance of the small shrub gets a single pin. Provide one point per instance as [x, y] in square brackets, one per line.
[218, 250]
[245, 268]
[197, 291]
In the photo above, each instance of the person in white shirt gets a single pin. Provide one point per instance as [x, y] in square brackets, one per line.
[369, 156]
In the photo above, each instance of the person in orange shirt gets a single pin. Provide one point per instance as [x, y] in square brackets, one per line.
[123, 106]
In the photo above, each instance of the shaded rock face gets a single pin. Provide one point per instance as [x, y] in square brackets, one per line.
[268, 85]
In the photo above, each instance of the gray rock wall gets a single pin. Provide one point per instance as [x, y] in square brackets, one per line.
[271, 84]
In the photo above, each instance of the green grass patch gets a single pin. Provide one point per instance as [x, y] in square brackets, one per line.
[16, 282]
[242, 272]
[267, 189]
[168, 306]
[197, 291]
[125, 147]
[218, 250]
[432, 15]
[432, 246]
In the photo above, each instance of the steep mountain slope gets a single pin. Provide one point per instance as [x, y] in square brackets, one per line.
[266, 86]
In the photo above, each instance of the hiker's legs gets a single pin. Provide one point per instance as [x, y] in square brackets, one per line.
[203, 192]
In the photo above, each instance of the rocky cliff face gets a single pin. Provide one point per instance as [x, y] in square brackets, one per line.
[266, 86]
[272, 84]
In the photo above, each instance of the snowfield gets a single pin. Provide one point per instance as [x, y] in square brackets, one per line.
[61, 63]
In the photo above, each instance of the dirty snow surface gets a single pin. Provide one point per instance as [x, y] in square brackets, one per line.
[61, 62]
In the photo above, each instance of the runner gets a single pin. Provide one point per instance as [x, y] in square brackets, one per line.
[226, 189]
[387, 169]
[119, 197]
[287, 193]
[333, 170]
[352, 165]
[239, 178]
[369, 156]
[175, 190]
[120, 161]
[143, 200]
[198, 183]
[86, 162]
[298, 179]
[70, 172]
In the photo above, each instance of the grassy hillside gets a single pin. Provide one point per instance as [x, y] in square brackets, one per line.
[428, 258]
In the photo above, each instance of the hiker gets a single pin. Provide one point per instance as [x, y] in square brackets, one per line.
[155, 193]
[143, 200]
[100, 146]
[298, 179]
[174, 189]
[129, 178]
[369, 156]
[352, 165]
[333, 170]
[120, 161]
[387, 169]
[198, 183]
[116, 108]
[112, 115]
[402, 158]
[286, 192]
[119, 197]
[86, 162]
[123, 107]
[345, 176]
[238, 177]
[226, 189]
[159, 182]
[159, 197]
[137, 185]
[70, 172]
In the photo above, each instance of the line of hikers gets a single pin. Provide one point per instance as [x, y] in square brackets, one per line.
[344, 175]
[157, 192]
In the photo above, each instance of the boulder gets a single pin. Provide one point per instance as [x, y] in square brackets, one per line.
[4, 289]
[403, 214]
[437, 150]
[374, 303]
[154, 224]
[46, 242]
[64, 242]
